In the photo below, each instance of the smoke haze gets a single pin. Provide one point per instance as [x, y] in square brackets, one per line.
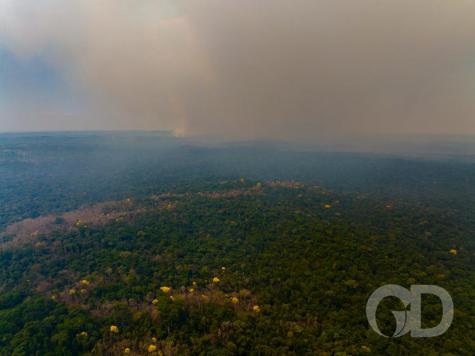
[297, 70]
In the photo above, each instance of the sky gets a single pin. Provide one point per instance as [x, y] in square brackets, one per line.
[310, 70]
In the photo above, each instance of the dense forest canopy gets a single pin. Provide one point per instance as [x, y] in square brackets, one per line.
[148, 244]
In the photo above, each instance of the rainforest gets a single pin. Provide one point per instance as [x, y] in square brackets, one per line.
[144, 243]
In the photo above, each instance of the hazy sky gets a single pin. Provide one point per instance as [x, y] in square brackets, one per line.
[290, 69]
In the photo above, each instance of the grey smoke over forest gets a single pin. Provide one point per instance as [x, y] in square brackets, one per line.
[296, 70]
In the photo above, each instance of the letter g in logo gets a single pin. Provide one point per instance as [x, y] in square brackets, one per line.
[411, 320]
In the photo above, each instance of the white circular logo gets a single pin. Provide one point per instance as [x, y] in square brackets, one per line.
[411, 320]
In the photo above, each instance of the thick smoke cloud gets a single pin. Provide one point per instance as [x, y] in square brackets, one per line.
[295, 69]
